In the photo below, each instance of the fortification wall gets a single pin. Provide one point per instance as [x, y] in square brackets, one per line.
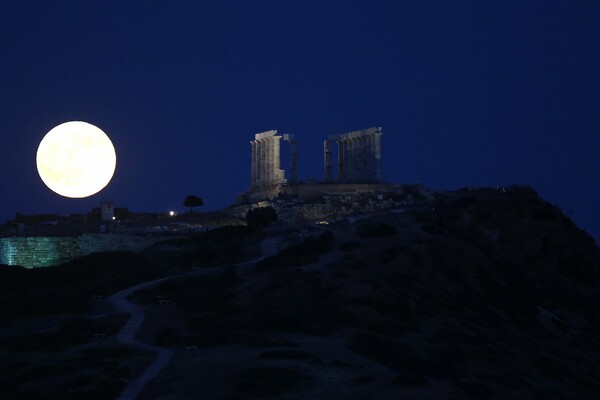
[45, 251]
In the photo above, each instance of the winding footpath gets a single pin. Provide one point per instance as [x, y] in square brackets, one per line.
[127, 334]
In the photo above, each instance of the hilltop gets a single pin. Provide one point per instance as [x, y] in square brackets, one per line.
[481, 293]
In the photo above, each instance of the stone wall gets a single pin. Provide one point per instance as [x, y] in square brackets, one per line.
[309, 191]
[305, 191]
[44, 251]
[334, 202]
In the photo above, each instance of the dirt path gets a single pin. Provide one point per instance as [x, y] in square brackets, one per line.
[127, 334]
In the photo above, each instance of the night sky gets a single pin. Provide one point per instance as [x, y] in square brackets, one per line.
[468, 93]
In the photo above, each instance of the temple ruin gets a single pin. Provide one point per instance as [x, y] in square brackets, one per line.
[358, 166]
[359, 156]
[266, 161]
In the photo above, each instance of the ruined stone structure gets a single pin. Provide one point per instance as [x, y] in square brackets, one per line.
[337, 202]
[45, 251]
[108, 211]
[359, 162]
[266, 161]
[293, 157]
[359, 156]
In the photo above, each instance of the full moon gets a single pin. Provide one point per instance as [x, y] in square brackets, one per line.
[76, 159]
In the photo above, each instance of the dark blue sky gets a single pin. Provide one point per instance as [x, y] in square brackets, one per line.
[469, 93]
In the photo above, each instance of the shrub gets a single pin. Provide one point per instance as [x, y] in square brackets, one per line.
[97, 356]
[67, 288]
[32, 342]
[226, 233]
[387, 255]
[403, 358]
[166, 337]
[375, 229]
[326, 236]
[410, 378]
[301, 254]
[261, 217]
[277, 262]
[385, 351]
[433, 229]
[267, 381]
[78, 330]
[80, 381]
[364, 379]
[475, 390]
[309, 246]
[315, 312]
[212, 253]
[351, 245]
[290, 355]
[44, 371]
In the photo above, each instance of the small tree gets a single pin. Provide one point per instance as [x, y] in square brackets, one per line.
[261, 217]
[193, 201]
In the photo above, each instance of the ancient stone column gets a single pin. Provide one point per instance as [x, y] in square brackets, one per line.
[347, 159]
[271, 160]
[378, 156]
[341, 158]
[293, 158]
[371, 157]
[261, 162]
[327, 155]
[359, 155]
[276, 158]
[253, 164]
[353, 159]
[364, 154]
[266, 167]
[267, 160]
[362, 158]
[257, 162]
[271, 163]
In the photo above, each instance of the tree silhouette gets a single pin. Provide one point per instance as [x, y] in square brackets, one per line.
[193, 201]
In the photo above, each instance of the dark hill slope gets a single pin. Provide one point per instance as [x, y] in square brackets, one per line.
[481, 294]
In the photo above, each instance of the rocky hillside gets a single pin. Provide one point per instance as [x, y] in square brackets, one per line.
[476, 294]
[481, 294]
